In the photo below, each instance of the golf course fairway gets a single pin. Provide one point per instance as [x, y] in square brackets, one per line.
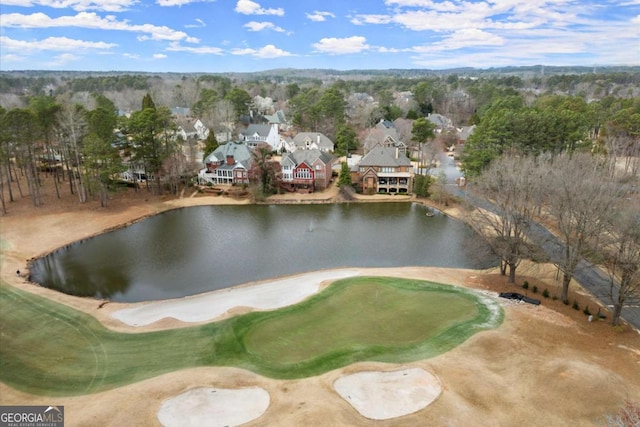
[51, 349]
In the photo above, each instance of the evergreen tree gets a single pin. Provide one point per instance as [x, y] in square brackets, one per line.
[344, 179]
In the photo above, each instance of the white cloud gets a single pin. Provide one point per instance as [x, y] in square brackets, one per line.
[10, 57]
[53, 44]
[93, 21]
[448, 16]
[77, 5]
[266, 52]
[320, 16]
[200, 24]
[341, 46]
[248, 7]
[160, 56]
[467, 38]
[371, 19]
[259, 26]
[131, 55]
[203, 50]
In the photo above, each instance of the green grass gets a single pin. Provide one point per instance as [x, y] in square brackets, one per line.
[48, 348]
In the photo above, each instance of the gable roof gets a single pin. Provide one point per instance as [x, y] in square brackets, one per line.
[300, 140]
[389, 131]
[278, 117]
[187, 124]
[306, 156]
[439, 120]
[385, 157]
[252, 129]
[465, 132]
[238, 150]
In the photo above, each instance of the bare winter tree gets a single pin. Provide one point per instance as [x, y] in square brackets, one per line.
[622, 258]
[72, 129]
[512, 184]
[579, 197]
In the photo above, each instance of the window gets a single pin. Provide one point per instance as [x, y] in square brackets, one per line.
[303, 174]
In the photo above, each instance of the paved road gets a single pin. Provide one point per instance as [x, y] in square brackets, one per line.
[589, 276]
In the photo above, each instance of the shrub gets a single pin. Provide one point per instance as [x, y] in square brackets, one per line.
[586, 311]
[565, 302]
[535, 289]
[555, 297]
[545, 293]
[575, 305]
[525, 285]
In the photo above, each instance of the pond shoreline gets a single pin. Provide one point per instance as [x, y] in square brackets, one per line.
[97, 266]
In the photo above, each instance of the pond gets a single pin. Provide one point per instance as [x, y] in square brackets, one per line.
[198, 249]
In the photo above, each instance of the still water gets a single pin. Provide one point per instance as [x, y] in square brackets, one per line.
[199, 249]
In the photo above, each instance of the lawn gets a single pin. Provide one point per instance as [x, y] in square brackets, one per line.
[48, 348]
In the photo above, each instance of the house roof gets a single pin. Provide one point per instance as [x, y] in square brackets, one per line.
[278, 117]
[180, 111]
[314, 137]
[252, 129]
[238, 150]
[306, 156]
[465, 132]
[187, 124]
[385, 157]
[439, 120]
[389, 130]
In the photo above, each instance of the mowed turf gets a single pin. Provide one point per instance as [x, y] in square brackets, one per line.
[49, 348]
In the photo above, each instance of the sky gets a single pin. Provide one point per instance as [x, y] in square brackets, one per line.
[244, 35]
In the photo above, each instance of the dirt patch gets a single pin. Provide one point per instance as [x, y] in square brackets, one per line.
[545, 365]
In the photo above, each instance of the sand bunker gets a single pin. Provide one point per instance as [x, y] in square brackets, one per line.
[384, 395]
[264, 296]
[214, 407]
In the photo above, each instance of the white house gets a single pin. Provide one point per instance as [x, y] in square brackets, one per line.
[255, 134]
[312, 140]
[189, 128]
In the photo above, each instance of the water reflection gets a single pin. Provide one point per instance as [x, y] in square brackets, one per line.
[199, 249]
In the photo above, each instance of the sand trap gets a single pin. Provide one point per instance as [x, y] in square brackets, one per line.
[384, 395]
[264, 296]
[214, 407]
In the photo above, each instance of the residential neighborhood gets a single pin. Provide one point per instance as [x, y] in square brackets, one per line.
[305, 161]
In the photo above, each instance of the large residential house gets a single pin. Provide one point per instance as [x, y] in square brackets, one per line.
[306, 170]
[384, 170]
[255, 134]
[464, 133]
[311, 141]
[190, 128]
[391, 136]
[277, 118]
[441, 122]
[228, 164]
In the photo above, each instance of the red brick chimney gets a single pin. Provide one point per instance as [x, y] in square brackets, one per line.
[230, 160]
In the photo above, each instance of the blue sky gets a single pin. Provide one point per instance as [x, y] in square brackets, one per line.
[248, 35]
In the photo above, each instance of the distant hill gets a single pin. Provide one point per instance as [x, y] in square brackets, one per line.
[328, 74]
